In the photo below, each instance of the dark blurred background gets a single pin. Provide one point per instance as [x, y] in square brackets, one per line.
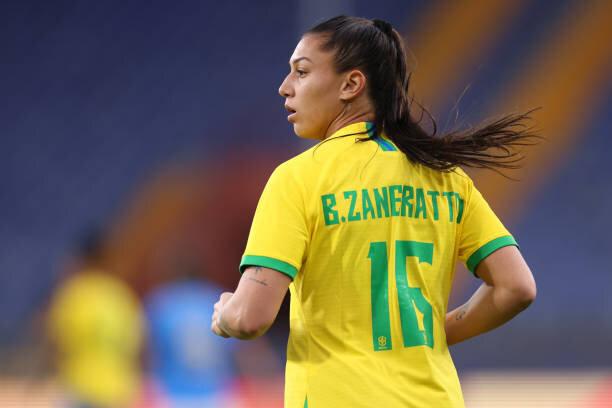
[159, 122]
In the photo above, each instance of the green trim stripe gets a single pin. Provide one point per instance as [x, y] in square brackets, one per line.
[306, 403]
[487, 249]
[370, 128]
[267, 262]
[385, 145]
[390, 143]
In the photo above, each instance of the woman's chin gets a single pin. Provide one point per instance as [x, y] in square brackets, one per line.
[300, 131]
[305, 133]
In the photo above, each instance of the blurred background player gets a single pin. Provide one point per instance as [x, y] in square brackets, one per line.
[96, 326]
[189, 365]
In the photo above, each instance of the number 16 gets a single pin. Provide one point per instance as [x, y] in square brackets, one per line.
[416, 315]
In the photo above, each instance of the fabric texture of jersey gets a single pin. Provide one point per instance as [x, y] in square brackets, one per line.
[371, 240]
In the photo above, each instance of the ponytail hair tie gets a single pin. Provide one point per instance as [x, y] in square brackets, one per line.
[383, 26]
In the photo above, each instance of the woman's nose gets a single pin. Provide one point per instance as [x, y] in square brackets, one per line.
[283, 90]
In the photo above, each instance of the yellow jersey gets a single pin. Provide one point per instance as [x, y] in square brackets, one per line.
[371, 240]
[98, 328]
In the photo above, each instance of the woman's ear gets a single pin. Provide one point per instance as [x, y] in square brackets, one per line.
[353, 85]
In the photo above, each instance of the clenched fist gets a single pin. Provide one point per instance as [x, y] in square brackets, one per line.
[214, 325]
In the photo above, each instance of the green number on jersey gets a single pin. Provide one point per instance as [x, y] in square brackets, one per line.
[416, 315]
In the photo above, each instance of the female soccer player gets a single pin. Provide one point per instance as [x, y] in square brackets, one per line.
[365, 229]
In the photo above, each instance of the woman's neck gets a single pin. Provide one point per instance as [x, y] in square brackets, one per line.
[351, 113]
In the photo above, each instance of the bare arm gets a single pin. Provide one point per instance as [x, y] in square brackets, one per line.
[251, 310]
[508, 289]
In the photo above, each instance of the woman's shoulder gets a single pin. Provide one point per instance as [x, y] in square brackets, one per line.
[302, 162]
[460, 174]
[291, 170]
[453, 185]
[454, 176]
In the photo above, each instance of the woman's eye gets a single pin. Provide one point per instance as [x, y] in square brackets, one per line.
[300, 73]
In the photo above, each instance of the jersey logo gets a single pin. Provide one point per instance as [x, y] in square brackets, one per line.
[382, 341]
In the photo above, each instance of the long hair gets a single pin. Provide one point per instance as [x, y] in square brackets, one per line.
[378, 50]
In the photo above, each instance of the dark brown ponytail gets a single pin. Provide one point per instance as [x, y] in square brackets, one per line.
[376, 48]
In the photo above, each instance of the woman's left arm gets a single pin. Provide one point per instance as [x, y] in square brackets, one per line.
[508, 289]
[251, 310]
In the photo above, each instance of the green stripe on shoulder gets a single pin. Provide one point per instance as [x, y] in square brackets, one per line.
[385, 145]
[487, 249]
[267, 262]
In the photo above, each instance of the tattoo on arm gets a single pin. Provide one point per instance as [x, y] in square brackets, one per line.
[260, 281]
[462, 312]
[256, 271]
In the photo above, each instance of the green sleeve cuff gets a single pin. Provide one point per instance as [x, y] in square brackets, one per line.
[267, 262]
[487, 249]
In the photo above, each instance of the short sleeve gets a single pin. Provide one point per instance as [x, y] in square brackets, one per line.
[279, 232]
[482, 232]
